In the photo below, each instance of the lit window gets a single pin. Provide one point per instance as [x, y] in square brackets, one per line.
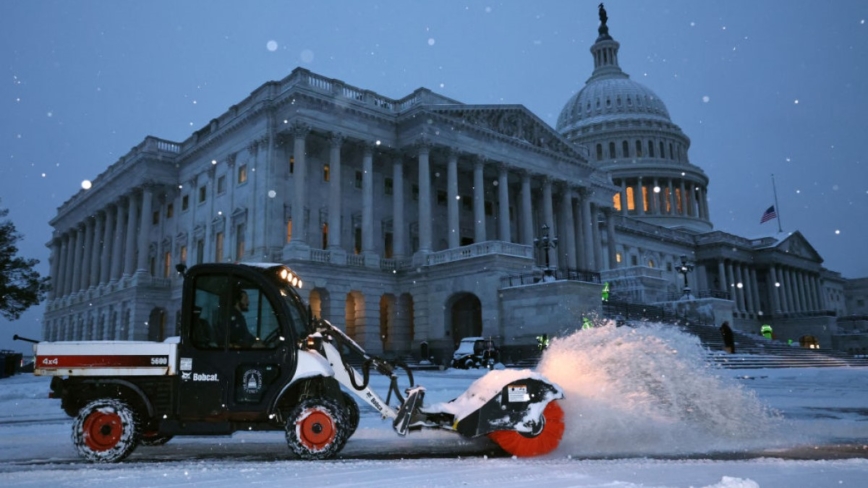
[289, 230]
[291, 164]
[242, 173]
[326, 173]
[618, 257]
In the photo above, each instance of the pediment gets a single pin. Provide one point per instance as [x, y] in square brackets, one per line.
[515, 122]
[796, 245]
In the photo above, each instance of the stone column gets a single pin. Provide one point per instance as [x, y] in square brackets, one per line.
[739, 288]
[788, 290]
[670, 198]
[610, 238]
[732, 284]
[597, 240]
[548, 219]
[424, 199]
[398, 240]
[721, 273]
[299, 199]
[624, 204]
[568, 233]
[97, 250]
[803, 295]
[503, 203]
[754, 290]
[526, 210]
[63, 266]
[335, 190]
[478, 200]
[454, 230]
[117, 242]
[639, 196]
[773, 290]
[588, 230]
[77, 254]
[130, 248]
[367, 200]
[87, 252]
[145, 230]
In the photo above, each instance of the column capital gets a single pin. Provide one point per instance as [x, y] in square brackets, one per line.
[253, 147]
[423, 146]
[299, 129]
[336, 139]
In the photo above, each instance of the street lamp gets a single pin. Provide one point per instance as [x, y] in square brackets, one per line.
[684, 269]
[546, 243]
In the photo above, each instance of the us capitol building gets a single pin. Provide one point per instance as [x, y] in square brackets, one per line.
[417, 221]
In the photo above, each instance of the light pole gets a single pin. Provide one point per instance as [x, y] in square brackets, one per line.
[546, 243]
[684, 269]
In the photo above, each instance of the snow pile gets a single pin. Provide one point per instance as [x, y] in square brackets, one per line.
[649, 390]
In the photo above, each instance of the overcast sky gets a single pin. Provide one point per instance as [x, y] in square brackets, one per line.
[761, 88]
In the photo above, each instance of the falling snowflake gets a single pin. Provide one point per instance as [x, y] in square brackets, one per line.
[271, 46]
[86, 184]
[430, 41]
[706, 99]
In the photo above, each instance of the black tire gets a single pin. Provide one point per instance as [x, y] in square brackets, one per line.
[105, 431]
[352, 413]
[316, 428]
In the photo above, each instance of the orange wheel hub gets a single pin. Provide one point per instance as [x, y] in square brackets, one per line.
[316, 429]
[102, 430]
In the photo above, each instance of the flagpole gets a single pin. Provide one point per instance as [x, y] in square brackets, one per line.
[777, 207]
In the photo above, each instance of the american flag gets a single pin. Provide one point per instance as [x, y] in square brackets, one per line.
[768, 214]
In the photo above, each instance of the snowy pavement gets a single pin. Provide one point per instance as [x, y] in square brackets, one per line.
[650, 416]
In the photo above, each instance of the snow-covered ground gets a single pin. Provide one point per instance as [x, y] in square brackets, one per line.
[642, 407]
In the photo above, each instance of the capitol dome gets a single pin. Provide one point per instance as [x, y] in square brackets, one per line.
[628, 134]
[611, 98]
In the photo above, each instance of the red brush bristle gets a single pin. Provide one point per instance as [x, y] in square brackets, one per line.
[544, 443]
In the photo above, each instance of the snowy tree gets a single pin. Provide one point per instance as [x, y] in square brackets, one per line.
[20, 285]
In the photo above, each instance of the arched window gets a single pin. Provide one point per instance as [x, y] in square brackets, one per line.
[638, 149]
[671, 154]
[599, 152]
[612, 154]
[662, 153]
[625, 148]
[650, 149]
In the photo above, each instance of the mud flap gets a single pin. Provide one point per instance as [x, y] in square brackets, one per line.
[408, 408]
[518, 407]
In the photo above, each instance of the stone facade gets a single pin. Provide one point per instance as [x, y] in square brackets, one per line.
[422, 220]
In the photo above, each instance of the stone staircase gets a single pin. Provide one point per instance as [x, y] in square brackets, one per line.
[753, 351]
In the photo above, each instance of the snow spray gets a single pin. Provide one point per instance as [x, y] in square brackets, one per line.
[649, 390]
